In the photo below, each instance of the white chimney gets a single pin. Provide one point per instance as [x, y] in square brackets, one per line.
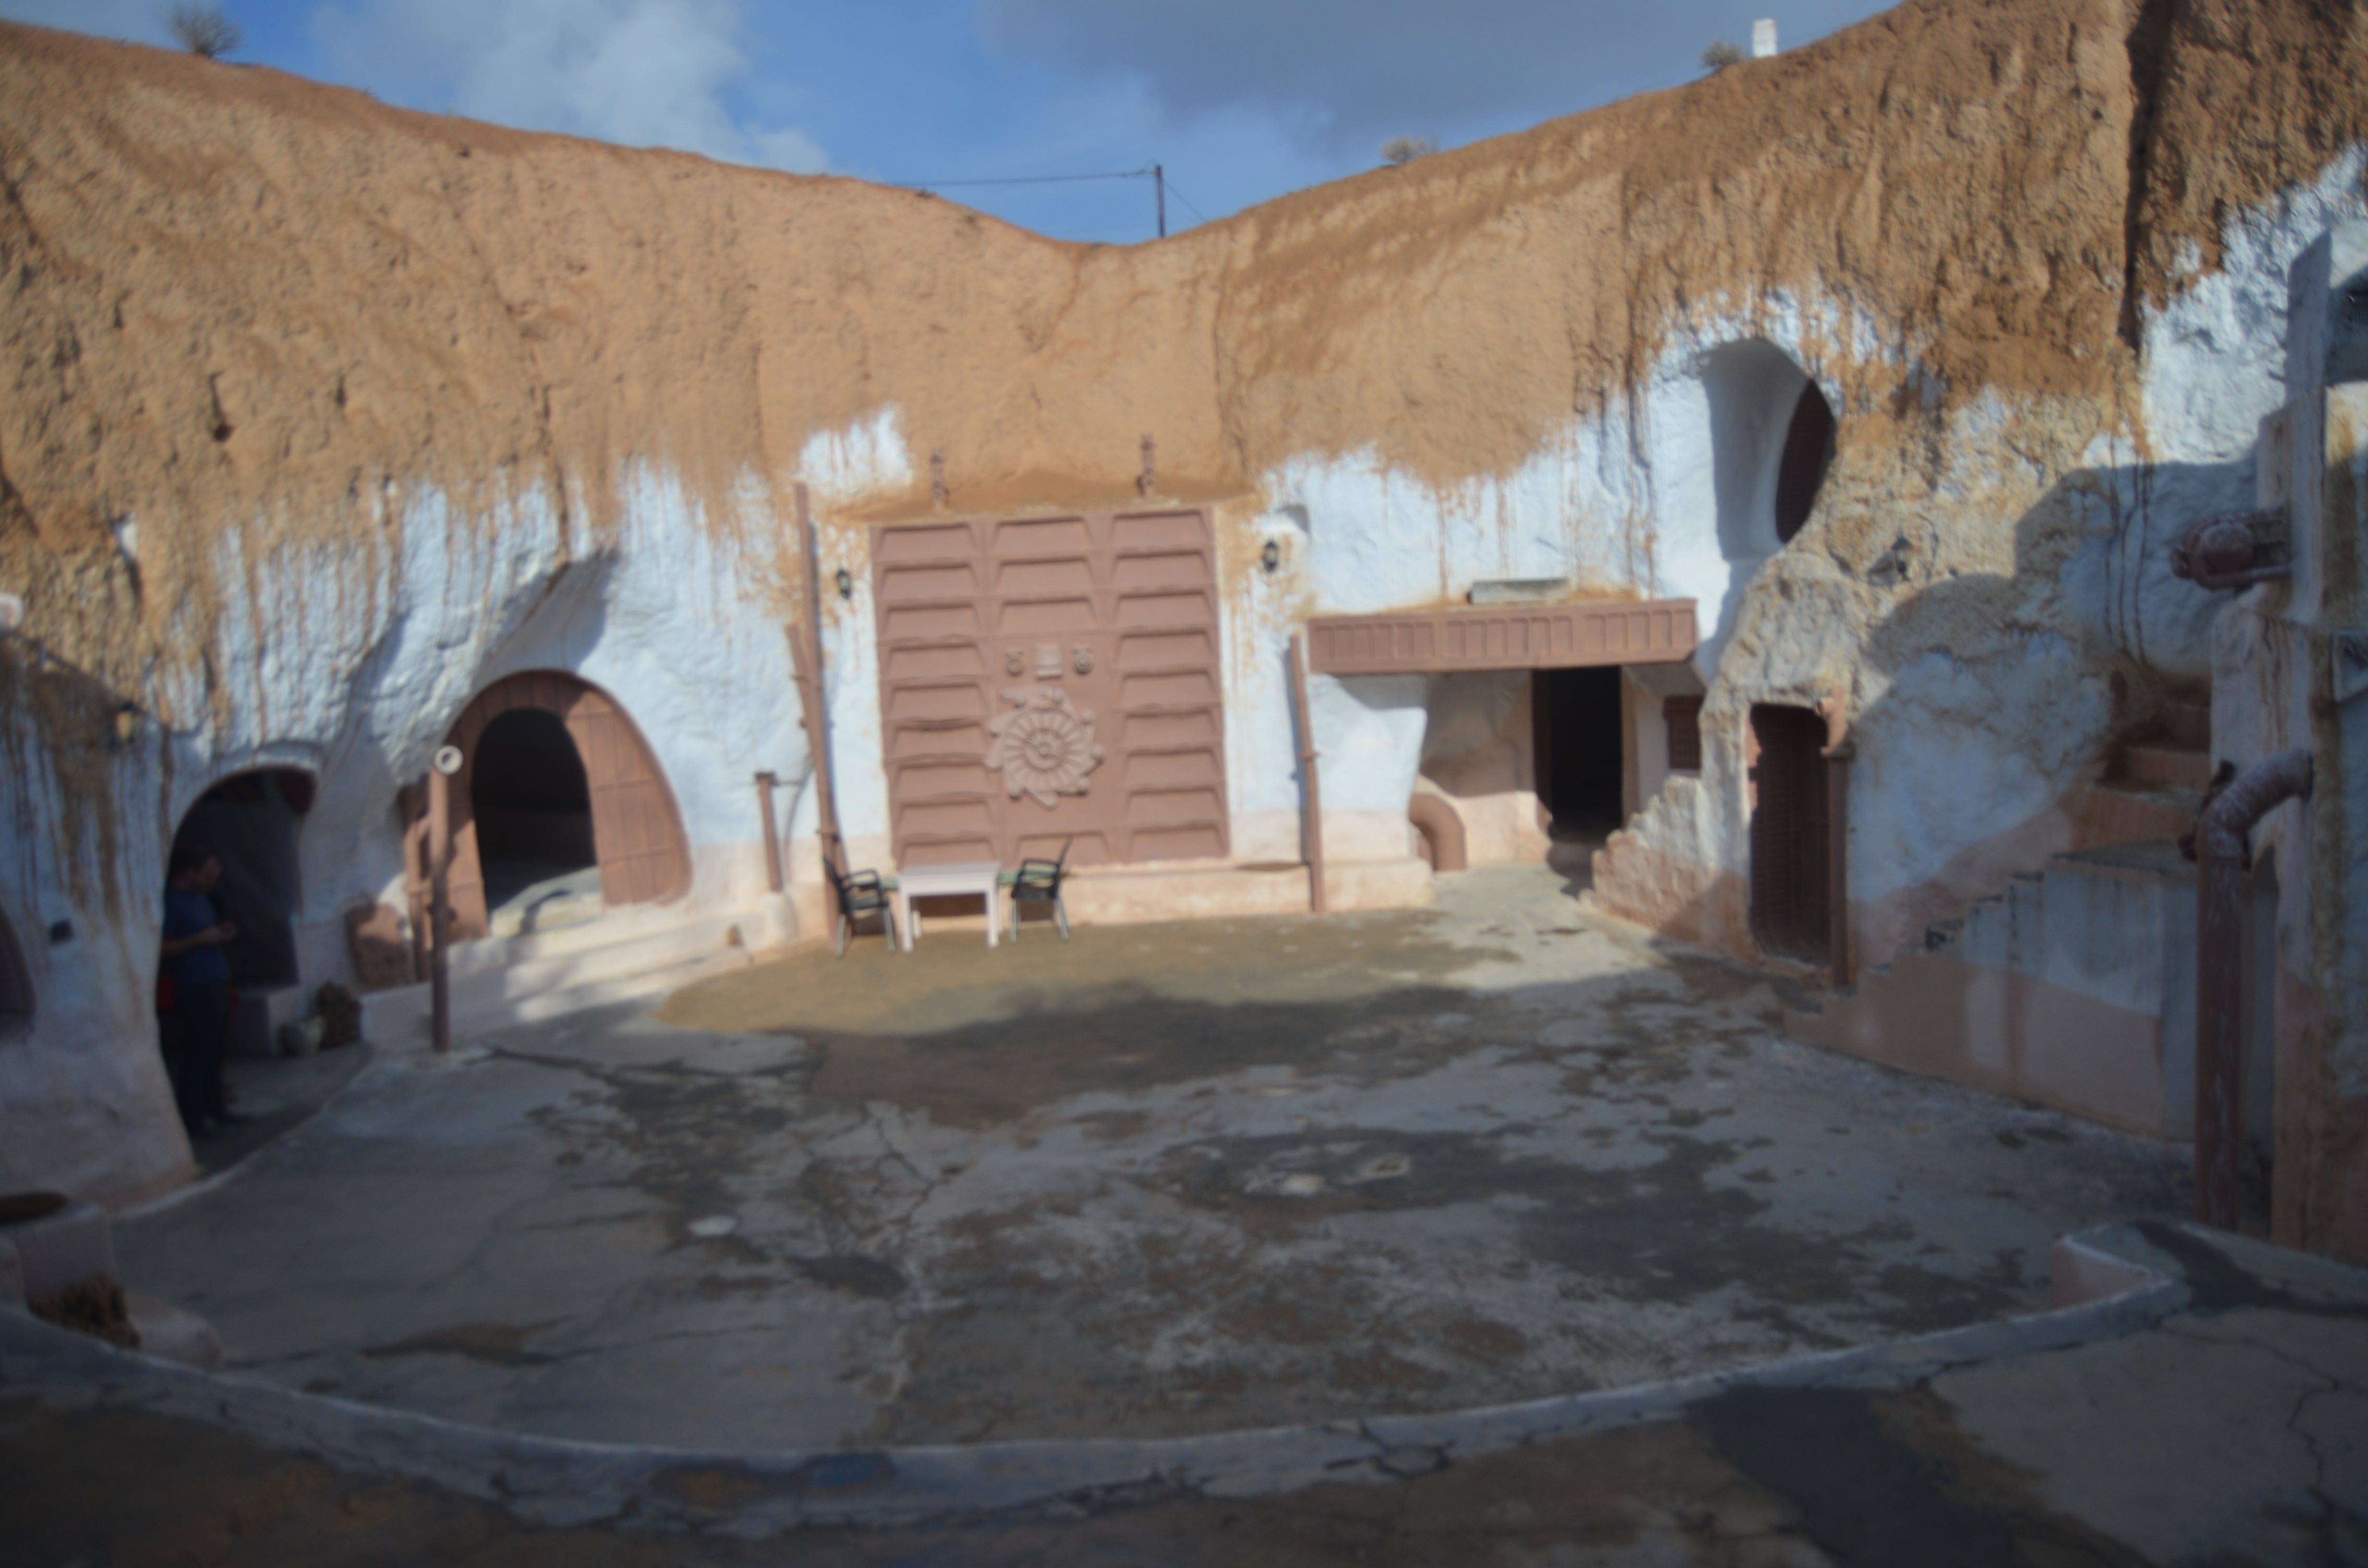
[1763, 38]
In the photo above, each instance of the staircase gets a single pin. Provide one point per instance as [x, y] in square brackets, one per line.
[2153, 782]
[624, 955]
[2072, 988]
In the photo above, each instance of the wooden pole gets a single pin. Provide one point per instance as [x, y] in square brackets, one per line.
[1311, 820]
[766, 784]
[812, 689]
[1839, 751]
[439, 906]
[1838, 772]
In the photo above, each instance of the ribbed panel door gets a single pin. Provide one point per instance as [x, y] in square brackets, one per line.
[1105, 617]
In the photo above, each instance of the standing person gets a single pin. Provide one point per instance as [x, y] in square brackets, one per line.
[198, 967]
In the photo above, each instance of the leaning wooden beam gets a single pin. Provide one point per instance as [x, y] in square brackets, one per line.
[1311, 819]
[766, 784]
[806, 652]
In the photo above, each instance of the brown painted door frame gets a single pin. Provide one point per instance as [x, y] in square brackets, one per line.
[637, 833]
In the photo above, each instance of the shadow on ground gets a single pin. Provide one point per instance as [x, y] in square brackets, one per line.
[1157, 1181]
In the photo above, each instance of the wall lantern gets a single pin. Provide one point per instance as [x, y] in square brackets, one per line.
[1272, 556]
[846, 584]
[127, 727]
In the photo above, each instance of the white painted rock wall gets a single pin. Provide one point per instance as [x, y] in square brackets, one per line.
[355, 671]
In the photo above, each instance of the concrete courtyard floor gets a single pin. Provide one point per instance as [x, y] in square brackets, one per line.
[1162, 1180]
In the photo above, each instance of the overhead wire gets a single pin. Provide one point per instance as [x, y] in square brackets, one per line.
[1146, 172]
[1185, 200]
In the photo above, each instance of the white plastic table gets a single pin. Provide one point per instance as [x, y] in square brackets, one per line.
[982, 879]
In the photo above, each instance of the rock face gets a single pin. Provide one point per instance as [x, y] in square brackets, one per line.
[321, 417]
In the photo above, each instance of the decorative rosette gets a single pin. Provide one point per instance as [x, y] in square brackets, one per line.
[1044, 748]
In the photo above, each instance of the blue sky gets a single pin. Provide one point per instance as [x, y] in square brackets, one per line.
[1240, 100]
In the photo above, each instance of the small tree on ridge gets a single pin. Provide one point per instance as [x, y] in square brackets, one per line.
[203, 29]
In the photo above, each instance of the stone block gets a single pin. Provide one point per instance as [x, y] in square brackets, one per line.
[251, 1026]
[382, 947]
[167, 1331]
[61, 1248]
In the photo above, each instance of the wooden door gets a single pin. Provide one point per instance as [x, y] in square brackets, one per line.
[1050, 679]
[1791, 896]
[637, 836]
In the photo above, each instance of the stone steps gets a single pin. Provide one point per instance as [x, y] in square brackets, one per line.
[2067, 988]
[2173, 752]
[2155, 765]
[502, 981]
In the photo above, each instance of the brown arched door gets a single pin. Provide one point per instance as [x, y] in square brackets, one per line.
[637, 837]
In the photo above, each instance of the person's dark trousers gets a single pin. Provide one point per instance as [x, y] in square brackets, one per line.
[205, 1036]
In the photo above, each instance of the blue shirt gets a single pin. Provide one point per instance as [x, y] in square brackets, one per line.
[186, 914]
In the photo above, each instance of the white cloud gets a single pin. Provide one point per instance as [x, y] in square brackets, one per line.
[642, 72]
[142, 21]
[791, 149]
[1345, 73]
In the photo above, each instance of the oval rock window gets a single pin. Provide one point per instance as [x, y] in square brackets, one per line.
[1808, 450]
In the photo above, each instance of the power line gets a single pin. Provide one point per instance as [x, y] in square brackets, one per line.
[1186, 200]
[1019, 180]
[1154, 172]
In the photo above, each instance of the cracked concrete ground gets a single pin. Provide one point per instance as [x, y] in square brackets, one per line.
[1162, 1180]
[2227, 1426]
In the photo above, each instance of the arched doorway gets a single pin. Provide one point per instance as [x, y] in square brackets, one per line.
[532, 804]
[16, 984]
[250, 821]
[565, 782]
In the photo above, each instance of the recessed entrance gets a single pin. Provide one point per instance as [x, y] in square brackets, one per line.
[1579, 749]
[559, 809]
[16, 984]
[250, 821]
[2257, 1161]
[1789, 870]
[533, 810]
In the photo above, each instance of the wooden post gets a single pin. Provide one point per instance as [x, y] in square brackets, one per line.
[439, 904]
[1839, 751]
[810, 689]
[766, 784]
[1311, 821]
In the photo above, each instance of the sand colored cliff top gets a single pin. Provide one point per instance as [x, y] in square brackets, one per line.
[239, 302]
